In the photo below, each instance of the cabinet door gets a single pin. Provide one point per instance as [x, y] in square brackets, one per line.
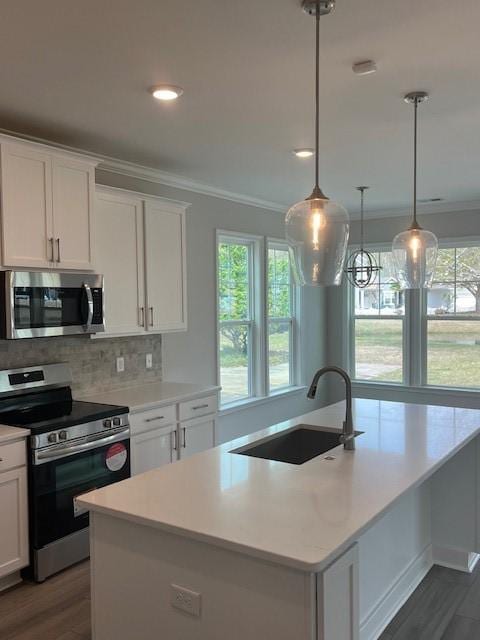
[119, 257]
[27, 222]
[165, 267]
[13, 521]
[338, 596]
[152, 449]
[73, 188]
[196, 436]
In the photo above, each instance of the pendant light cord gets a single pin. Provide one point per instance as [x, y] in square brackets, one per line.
[317, 92]
[362, 190]
[415, 127]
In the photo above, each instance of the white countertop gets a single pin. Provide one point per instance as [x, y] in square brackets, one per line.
[12, 433]
[153, 394]
[301, 516]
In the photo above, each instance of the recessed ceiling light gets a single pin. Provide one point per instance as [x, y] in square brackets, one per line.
[303, 153]
[166, 92]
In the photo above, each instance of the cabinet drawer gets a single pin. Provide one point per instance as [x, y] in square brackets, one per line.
[152, 419]
[198, 407]
[12, 454]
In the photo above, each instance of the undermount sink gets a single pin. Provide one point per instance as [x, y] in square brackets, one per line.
[295, 446]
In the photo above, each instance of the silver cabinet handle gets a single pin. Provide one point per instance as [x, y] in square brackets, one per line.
[142, 316]
[155, 418]
[200, 406]
[184, 429]
[151, 315]
[52, 250]
[174, 440]
[58, 250]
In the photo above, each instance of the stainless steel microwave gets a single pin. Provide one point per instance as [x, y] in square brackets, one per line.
[39, 304]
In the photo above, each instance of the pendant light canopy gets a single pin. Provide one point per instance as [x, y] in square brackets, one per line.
[317, 229]
[415, 250]
[362, 268]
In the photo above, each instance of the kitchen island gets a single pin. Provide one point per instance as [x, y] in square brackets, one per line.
[224, 545]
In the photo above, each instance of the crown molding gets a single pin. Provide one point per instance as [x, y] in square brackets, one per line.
[150, 174]
[422, 209]
[167, 179]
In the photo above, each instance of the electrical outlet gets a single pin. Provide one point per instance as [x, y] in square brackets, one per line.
[149, 361]
[185, 599]
[120, 364]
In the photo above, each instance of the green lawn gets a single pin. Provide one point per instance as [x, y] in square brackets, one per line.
[453, 352]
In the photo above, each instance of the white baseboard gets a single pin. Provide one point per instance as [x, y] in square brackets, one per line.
[455, 559]
[10, 580]
[387, 607]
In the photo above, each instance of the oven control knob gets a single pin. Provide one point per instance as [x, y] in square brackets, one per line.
[62, 435]
[117, 422]
[107, 423]
[52, 437]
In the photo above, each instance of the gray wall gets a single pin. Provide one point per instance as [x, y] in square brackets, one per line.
[93, 362]
[449, 225]
[191, 356]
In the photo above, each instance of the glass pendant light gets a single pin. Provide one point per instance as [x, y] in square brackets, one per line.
[317, 229]
[362, 268]
[415, 250]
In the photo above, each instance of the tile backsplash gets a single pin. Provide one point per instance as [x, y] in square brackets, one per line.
[92, 361]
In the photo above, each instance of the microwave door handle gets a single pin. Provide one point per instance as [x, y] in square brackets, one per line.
[88, 293]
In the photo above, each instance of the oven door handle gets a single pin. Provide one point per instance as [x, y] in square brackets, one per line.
[88, 293]
[54, 453]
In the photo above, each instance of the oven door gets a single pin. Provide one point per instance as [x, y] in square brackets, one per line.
[56, 481]
[53, 304]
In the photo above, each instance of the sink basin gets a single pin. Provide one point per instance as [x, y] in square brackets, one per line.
[295, 446]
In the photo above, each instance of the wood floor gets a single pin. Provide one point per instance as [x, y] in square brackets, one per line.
[58, 609]
[445, 606]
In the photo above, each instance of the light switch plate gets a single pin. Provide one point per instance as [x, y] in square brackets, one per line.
[120, 364]
[185, 599]
[149, 361]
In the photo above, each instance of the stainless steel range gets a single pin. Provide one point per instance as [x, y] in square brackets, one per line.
[74, 447]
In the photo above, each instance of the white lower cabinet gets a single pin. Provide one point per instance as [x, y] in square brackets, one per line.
[196, 436]
[162, 435]
[152, 449]
[13, 508]
[338, 599]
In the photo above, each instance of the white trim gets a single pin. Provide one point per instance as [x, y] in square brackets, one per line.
[423, 209]
[455, 559]
[385, 609]
[249, 403]
[119, 193]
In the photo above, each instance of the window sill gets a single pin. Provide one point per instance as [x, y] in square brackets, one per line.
[434, 390]
[232, 407]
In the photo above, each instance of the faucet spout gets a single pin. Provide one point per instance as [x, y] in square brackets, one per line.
[348, 435]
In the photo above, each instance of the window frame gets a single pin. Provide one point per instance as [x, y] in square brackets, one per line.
[415, 332]
[259, 387]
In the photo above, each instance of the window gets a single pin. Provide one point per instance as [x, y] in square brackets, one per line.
[453, 315]
[379, 313]
[280, 317]
[235, 293]
[442, 347]
[256, 318]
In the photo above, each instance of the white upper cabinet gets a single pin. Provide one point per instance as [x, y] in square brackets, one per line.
[73, 193]
[165, 266]
[47, 207]
[27, 221]
[120, 258]
[140, 249]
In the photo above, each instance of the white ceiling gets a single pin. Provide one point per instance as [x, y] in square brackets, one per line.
[77, 73]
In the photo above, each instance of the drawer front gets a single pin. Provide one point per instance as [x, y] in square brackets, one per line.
[152, 419]
[198, 407]
[12, 454]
